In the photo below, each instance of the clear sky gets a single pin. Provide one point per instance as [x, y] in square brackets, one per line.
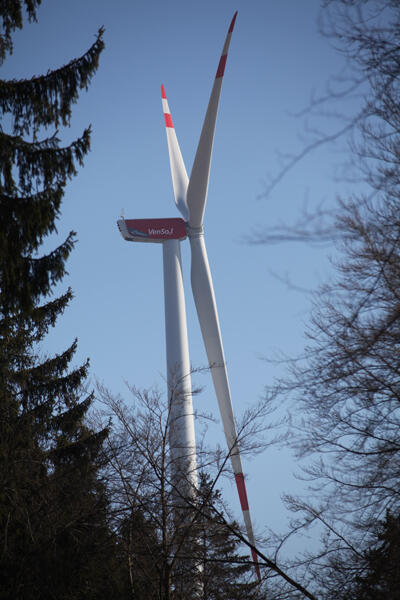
[277, 58]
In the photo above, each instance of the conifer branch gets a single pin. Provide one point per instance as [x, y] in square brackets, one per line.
[46, 100]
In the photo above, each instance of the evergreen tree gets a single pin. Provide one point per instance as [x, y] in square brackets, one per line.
[204, 563]
[142, 556]
[54, 537]
[226, 574]
[176, 546]
[382, 577]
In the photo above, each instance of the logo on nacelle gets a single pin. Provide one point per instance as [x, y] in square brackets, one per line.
[152, 230]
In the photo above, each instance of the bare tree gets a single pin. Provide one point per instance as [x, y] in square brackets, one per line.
[347, 384]
[164, 522]
[358, 107]
[181, 545]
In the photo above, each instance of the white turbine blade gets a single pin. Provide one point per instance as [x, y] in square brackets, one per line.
[206, 307]
[178, 170]
[181, 418]
[198, 183]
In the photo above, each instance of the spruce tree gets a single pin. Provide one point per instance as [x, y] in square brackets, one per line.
[204, 562]
[54, 538]
[226, 573]
[380, 577]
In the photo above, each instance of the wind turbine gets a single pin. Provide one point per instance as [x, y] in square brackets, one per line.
[190, 199]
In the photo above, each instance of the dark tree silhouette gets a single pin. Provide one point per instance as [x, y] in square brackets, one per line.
[347, 384]
[54, 535]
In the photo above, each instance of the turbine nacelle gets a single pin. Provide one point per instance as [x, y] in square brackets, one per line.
[152, 230]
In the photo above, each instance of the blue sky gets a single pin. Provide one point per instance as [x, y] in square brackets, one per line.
[277, 58]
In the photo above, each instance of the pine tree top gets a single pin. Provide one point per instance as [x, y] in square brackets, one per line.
[11, 12]
[46, 100]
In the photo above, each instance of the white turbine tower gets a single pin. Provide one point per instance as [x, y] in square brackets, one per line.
[190, 198]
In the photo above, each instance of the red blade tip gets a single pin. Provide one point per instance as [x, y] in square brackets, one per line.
[163, 95]
[233, 22]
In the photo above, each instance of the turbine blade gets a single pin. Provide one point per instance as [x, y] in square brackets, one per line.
[178, 170]
[198, 183]
[204, 297]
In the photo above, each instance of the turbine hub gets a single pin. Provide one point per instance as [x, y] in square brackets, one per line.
[194, 232]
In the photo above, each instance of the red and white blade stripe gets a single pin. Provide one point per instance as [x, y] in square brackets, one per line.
[198, 183]
[178, 170]
[241, 487]
[224, 55]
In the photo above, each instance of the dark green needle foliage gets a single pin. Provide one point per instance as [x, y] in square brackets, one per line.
[142, 558]
[380, 578]
[226, 572]
[11, 14]
[210, 553]
[54, 537]
[204, 561]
